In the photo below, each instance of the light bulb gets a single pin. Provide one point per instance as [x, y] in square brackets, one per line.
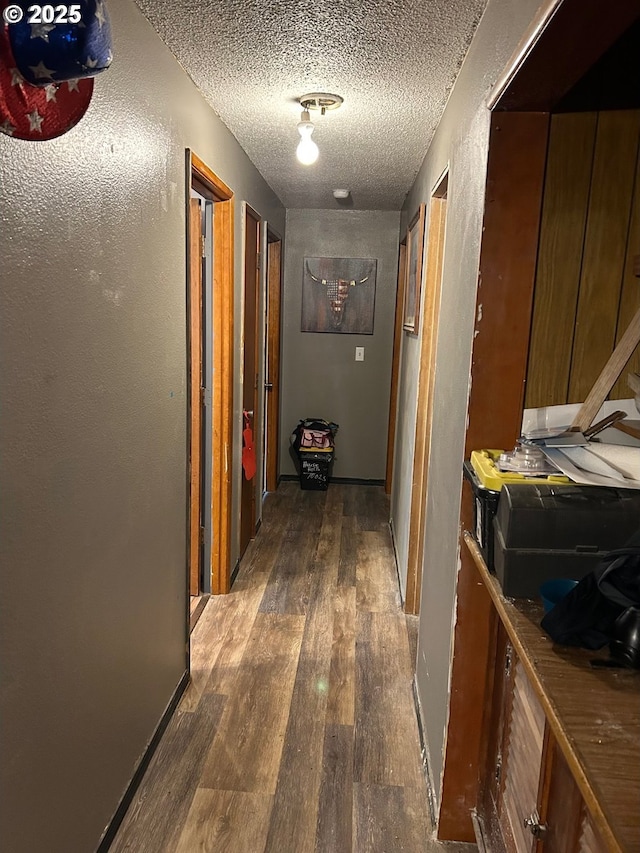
[307, 151]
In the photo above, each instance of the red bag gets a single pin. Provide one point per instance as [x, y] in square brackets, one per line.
[248, 450]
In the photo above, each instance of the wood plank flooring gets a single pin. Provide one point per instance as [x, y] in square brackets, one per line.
[297, 733]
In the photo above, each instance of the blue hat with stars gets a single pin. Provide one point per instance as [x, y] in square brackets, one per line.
[76, 43]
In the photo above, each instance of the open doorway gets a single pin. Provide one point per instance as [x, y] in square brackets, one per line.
[199, 338]
[395, 363]
[272, 361]
[426, 383]
[250, 367]
[210, 372]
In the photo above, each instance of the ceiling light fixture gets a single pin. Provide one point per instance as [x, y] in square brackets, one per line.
[307, 150]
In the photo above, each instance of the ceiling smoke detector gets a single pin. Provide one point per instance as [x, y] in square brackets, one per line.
[341, 193]
[322, 101]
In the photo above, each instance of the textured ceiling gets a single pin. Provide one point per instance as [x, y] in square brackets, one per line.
[393, 62]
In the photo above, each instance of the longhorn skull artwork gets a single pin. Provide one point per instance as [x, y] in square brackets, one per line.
[334, 299]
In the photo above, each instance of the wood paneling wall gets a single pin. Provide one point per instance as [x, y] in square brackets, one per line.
[585, 292]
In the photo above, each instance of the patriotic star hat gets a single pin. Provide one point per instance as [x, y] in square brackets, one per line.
[33, 112]
[76, 44]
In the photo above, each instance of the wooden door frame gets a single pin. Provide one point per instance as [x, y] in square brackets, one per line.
[222, 388]
[272, 378]
[194, 238]
[249, 211]
[395, 362]
[553, 55]
[426, 383]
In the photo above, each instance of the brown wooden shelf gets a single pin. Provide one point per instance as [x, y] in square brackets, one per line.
[594, 714]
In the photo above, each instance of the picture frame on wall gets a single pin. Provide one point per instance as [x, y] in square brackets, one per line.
[415, 250]
[338, 295]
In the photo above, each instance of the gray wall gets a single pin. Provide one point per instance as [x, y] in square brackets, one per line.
[461, 142]
[93, 436]
[320, 377]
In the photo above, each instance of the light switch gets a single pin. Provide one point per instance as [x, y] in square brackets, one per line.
[359, 353]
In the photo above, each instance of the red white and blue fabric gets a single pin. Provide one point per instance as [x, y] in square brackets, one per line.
[35, 112]
[47, 53]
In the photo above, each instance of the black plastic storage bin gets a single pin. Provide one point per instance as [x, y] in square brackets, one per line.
[315, 469]
[312, 444]
[485, 503]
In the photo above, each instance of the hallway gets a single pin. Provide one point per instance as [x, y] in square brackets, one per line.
[298, 730]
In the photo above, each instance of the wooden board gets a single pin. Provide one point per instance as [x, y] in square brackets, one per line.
[263, 689]
[386, 728]
[586, 292]
[619, 357]
[603, 261]
[630, 295]
[334, 828]
[241, 818]
[564, 215]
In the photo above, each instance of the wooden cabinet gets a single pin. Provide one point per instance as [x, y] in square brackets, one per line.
[559, 766]
[529, 801]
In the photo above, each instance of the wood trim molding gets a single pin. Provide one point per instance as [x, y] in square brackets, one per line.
[208, 177]
[223, 336]
[564, 40]
[195, 380]
[504, 302]
[424, 410]
[222, 391]
[274, 290]
[251, 336]
[515, 181]
[395, 363]
[522, 51]
[141, 768]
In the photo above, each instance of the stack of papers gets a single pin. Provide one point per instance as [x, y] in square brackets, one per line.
[593, 464]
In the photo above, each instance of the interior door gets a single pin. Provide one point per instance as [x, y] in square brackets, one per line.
[250, 368]
[395, 363]
[429, 322]
[195, 397]
[272, 361]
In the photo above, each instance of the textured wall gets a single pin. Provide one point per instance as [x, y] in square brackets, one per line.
[93, 436]
[461, 142]
[320, 377]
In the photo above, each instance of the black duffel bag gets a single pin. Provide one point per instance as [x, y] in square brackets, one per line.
[586, 616]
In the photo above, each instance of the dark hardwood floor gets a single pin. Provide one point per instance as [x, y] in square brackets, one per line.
[298, 731]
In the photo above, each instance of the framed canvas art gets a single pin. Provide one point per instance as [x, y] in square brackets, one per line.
[338, 295]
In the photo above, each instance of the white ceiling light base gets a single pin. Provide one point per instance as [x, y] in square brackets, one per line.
[341, 193]
[322, 101]
[307, 151]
